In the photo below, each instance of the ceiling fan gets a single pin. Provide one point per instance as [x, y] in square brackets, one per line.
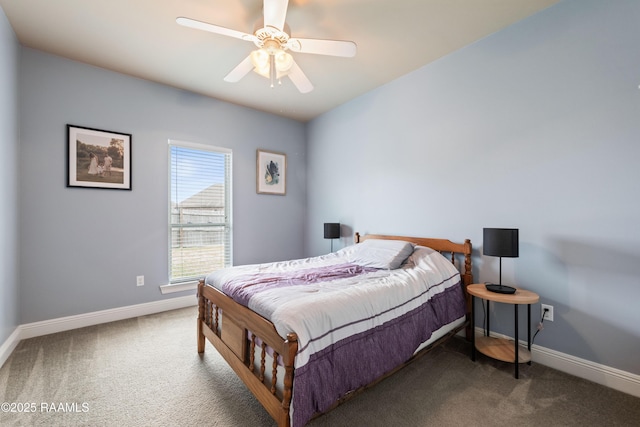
[273, 39]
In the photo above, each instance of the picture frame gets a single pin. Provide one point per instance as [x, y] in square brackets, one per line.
[271, 172]
[98, 158]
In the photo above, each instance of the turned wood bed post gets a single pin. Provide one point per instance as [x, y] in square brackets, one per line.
[292, 345]
[201, 337]
[467, 279]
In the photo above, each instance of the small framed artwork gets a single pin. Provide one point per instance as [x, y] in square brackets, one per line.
[98, 158]
[271, 173]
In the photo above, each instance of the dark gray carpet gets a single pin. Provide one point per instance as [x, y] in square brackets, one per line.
[146, 372]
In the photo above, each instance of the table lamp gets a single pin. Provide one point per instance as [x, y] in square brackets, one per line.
[331, 231]
[500, 242]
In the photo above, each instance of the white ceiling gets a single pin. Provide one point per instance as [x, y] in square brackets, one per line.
[141, 38]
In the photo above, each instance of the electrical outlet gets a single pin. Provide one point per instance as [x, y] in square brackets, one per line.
[549, 314]
[140, 280]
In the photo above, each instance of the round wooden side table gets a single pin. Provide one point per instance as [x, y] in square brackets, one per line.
[495, 347]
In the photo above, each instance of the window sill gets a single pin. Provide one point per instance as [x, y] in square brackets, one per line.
[178, 287]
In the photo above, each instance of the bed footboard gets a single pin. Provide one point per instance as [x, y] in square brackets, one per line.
[240, 334]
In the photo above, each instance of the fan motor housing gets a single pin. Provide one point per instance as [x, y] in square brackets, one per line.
[264, 33]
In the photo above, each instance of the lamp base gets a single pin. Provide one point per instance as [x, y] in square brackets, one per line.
[500, 289]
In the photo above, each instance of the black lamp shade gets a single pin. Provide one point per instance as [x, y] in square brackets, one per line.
[502, 242]
[331, 230]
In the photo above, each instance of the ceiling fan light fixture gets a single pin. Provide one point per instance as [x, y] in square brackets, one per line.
[262, 60]
[284, 62]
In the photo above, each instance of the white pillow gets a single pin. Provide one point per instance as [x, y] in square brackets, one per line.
[377, 253]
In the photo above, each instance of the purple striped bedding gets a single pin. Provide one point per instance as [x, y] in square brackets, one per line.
[241, 288]
[340, 310]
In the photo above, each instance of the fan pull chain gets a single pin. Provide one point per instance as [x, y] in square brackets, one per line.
[272, 69]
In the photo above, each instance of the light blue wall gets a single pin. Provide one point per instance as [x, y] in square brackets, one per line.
[8, 179]
[535, 127]
[81, 249]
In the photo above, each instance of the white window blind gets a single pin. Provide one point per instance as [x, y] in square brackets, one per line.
[199, 210]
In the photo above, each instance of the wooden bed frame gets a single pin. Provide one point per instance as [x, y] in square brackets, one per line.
[229, 335]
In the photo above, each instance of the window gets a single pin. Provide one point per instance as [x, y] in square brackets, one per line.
[199, 210]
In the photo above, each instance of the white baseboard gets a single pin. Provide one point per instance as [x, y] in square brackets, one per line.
[9, 345]
[611, 377]
[45, 327]
[616, 379]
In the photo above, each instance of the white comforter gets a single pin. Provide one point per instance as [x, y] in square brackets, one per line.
[326, 312]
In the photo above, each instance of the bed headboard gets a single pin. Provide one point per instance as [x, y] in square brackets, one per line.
[440, 245]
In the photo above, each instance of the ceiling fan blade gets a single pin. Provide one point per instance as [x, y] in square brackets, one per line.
[216, 29]
[240, 71]
[323, 47]
[299, 79]
[275, 13]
